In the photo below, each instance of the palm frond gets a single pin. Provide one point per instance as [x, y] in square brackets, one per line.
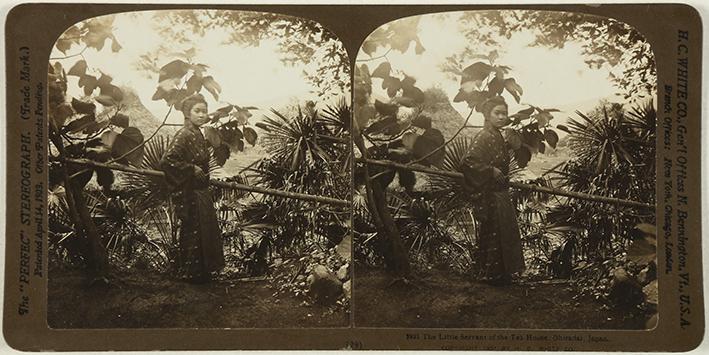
[146, 191]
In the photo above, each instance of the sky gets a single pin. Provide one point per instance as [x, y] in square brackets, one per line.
[249, 76]
[551, 78]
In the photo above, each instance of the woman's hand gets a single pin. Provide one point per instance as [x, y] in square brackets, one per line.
[199, 174]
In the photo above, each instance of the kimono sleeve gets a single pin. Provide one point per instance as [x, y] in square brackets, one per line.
[175, 163]
[477, 168]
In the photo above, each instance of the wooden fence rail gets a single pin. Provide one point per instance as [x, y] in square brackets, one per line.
[519, 185]
[223, 184]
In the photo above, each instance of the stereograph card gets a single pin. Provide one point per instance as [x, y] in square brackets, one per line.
[456, 177]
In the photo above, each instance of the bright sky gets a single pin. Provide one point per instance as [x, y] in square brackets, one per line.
[551, 78]
[249, 76]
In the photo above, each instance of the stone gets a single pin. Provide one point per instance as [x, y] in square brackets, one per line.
[625, 290]
[650, 292]
[648, 274]
[323, 286]
[344, 272]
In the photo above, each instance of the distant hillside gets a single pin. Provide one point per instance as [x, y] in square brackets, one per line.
[443, 116]
[140, 117]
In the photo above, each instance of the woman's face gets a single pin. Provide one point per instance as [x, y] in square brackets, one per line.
[498, 116]
[198, 114]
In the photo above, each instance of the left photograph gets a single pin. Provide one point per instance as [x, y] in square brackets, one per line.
[199, 172]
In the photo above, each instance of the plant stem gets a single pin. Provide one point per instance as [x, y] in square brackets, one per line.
[71, 55]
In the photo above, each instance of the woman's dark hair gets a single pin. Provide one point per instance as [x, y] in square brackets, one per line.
[491, 103]
[186, 105]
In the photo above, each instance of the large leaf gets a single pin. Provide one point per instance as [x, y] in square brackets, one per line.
[392, 85]
[386, 109]
[173, 70]
[126, 141]
[551, 137]
[422, 121]
[113, 91]
[413, 93]
[522, 115]
[496, 86]
[194, 84]
[212, 136]
[523, 156]
[563, 128]
[82, 107]
[80, 124]
[513, 138]
[108, 137]
[99, 30]
[231, 134]
[105, 100]
[513, 88]
[89, 83]
[212, 86]
[78, 69]
[430, 140]
[476, 72]
[96, 126]
[382, 71]
[120, 120]
[175, 97]
[61, 113]
[476, 98]
[543, 118]
[407, 179]
[221, 112]
[382, 125]
[104, 80]
[221, 154]
[250, 135]
[104, 177]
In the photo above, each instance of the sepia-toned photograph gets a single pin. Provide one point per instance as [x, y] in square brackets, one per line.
[199, 172]
[505, 173]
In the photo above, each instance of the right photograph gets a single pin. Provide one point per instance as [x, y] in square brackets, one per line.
[505, 173]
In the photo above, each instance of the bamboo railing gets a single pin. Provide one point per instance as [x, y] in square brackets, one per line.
[382, 163]
[223, 184]
[519, 185]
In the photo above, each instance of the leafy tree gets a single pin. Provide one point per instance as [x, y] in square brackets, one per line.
[603, 39]
[301, 41]
[79, 130]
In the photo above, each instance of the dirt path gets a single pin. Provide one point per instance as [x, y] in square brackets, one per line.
[139, 299]
[445, 301]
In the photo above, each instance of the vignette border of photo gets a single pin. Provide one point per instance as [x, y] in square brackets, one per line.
[28, 44]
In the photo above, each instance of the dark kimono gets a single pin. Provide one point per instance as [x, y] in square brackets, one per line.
[498, 239]
[201, 248]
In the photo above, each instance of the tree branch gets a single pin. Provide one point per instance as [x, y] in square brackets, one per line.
[71, 55]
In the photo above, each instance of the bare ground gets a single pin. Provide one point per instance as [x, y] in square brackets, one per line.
[436, 299]
[141, 299]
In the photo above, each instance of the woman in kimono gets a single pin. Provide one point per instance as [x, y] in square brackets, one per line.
[486, 169]
[186, 167]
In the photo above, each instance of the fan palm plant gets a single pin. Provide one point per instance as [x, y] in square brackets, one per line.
[614, 154]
